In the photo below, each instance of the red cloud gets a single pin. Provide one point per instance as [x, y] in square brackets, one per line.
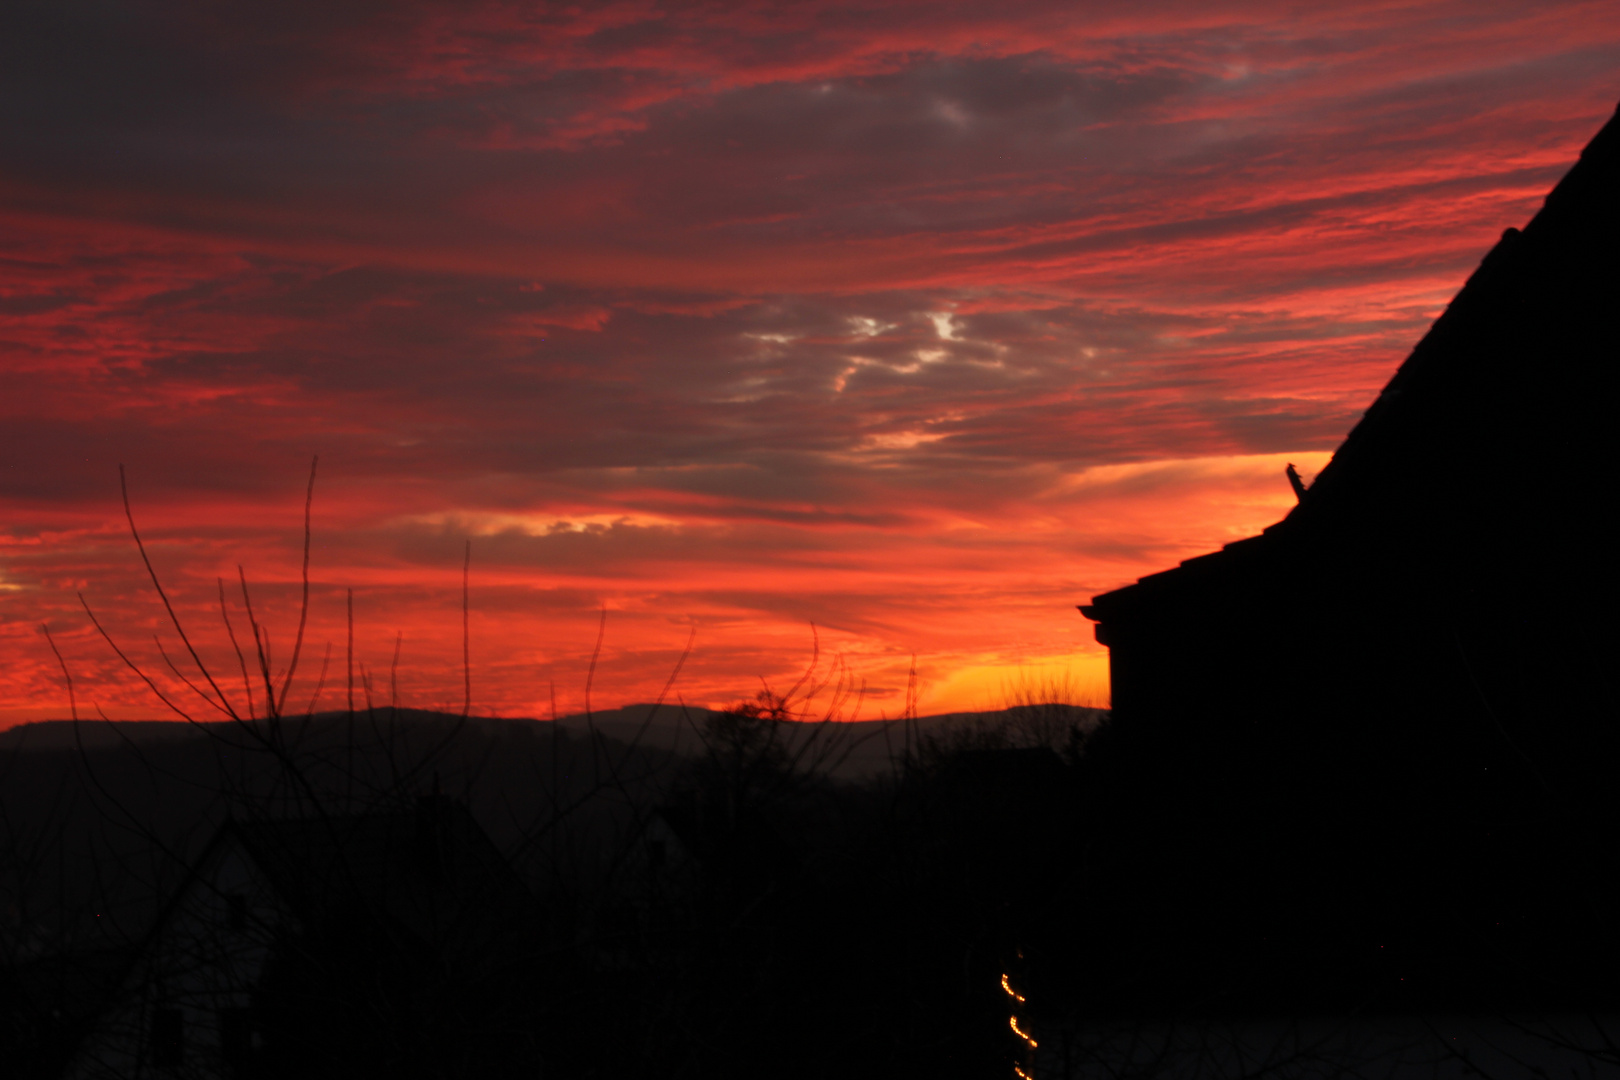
[913, 321]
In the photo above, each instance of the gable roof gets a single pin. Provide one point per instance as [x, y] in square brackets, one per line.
[1510, 383]
[431, 875]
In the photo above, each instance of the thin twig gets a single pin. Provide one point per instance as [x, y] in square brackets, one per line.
[590, 677]
[303, 610]
[261, 644]
[247, 683]
[177, 710]
[129, 516]
[393, 672]
[193, 687]
[590, 674]
[691, 639]
[351, 652]
[320, 683]
[815, 658]
[73, 704]
[466, 646]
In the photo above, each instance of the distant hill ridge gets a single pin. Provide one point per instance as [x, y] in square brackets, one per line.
[665, 727]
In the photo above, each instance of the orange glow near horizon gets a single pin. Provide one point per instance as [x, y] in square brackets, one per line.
[943, 594]
[917, 326]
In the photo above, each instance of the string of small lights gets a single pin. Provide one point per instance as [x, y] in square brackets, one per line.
[1024, 1069]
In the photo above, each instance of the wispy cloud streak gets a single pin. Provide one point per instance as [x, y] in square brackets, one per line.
[920, 322]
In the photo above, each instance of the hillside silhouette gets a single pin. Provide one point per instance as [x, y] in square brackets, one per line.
[692, 912]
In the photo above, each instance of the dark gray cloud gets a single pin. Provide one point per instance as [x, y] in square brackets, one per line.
[760, 314]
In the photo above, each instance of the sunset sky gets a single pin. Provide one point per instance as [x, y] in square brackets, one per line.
[917, 322]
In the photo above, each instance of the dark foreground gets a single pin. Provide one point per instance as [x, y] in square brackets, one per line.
[414, 895]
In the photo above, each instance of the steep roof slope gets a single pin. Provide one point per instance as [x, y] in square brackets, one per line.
[1491, 437]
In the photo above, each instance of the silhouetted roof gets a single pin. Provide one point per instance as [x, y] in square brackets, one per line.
[1466, 388]
[431, 873]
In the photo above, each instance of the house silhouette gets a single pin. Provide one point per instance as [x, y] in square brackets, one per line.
[1400, 701]
[1454, 561]
[385, 943]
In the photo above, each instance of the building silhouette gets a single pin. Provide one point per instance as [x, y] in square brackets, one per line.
[1455, 559]
[386, 943]
[1396, 709]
